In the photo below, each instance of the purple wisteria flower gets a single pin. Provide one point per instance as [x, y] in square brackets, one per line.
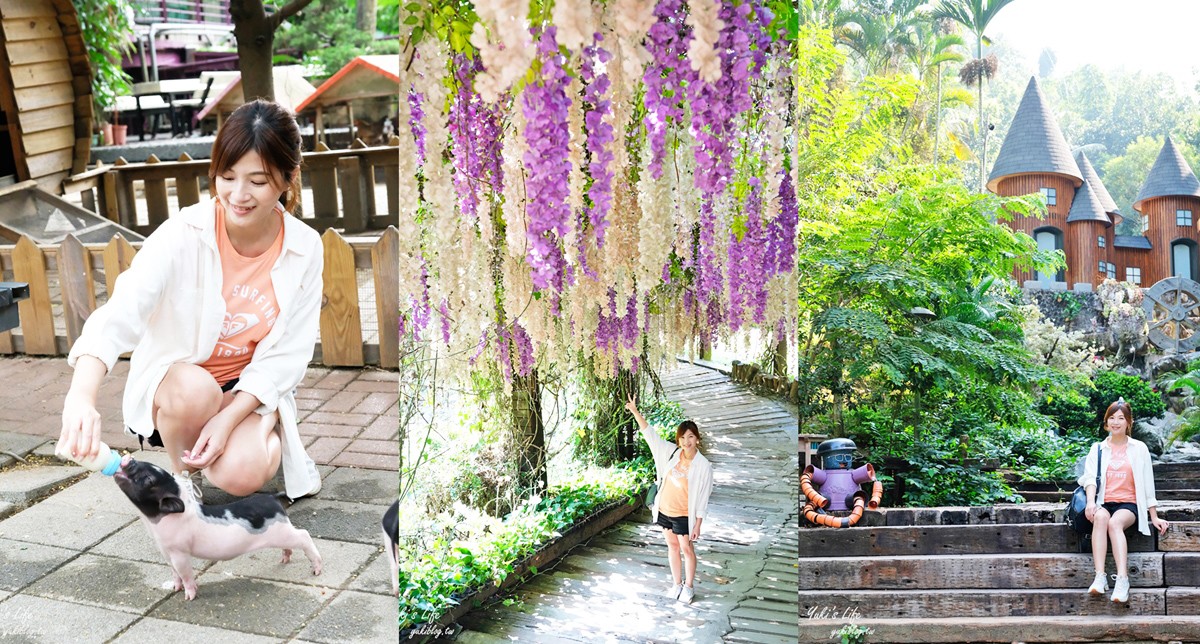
[782, 234]
[444, 311]
[414, 121]
[666, 77]
[599, 137]
[547, 160]
[475, 131]
[748, 270]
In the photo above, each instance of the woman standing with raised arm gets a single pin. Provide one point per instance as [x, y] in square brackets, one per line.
[682, 500]
[1125, 497]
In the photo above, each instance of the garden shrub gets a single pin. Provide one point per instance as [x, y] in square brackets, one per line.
[1142, 398]
[1072, 411]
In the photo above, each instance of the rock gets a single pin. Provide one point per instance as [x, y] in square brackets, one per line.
[1182, 452]
[1155, 432]
[1156, 365]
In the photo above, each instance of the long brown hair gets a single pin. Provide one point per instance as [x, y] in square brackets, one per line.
[268, 129]
[685, 427]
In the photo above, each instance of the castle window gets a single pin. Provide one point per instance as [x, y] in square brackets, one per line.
[1100, 241]
[1183, 218]
[1145, 224]
[1112, 271]
[1051, 195]
[1133, 275]
[1101, 267]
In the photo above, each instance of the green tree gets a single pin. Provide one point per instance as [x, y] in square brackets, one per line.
[327, 36]
[975, 16]
[254, 26]
[108, 37]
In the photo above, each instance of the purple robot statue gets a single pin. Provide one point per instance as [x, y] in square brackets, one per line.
[839, 485]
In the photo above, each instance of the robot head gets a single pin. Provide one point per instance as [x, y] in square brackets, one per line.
[836, 454]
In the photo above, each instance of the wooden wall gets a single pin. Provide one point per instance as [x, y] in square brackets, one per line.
[45, 89]
[1056, 215]
[1164, 231]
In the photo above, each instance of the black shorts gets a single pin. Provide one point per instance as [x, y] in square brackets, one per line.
[1113, 507]
[155, 439]
[678, 525]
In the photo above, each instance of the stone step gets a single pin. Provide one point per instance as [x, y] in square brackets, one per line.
[876, 541]
[1132, 628]
[991, 602]
[1032, 570]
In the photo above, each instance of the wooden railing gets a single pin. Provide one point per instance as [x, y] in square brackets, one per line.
[342, 183]
[66, 280]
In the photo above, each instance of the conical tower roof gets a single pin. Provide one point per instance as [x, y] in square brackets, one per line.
[1034, 143]
[1090, 178]
[1171, 176]
[1086, 206]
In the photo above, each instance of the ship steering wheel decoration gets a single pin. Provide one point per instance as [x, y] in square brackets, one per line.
[1172, 309]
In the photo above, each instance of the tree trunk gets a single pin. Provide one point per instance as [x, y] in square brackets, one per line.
[255, 33]
[530, 434]
[937, 116]
[365, 19]
[779, 364]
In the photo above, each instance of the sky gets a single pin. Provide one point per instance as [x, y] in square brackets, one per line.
[1146, 35]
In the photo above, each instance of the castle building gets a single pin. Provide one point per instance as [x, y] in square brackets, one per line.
[1080, 214]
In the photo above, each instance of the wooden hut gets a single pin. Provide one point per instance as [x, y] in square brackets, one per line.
[364, 78]
[45, 93]
[290, 90]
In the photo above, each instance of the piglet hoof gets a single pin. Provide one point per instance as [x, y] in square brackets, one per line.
[189, 592]
[317, 567]
[287, 556]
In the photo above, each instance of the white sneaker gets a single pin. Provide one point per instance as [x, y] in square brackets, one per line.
[1121, 590]
[687, 594]
[1100, 585]
[673, 591]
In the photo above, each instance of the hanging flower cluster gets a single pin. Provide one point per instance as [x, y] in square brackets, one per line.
[599, 186]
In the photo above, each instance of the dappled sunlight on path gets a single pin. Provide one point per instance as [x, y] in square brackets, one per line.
[611, 589]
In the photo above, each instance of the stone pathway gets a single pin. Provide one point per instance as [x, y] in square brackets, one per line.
[611, 588]
[76, 565]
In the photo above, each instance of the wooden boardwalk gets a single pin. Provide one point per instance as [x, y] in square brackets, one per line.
[610, 589]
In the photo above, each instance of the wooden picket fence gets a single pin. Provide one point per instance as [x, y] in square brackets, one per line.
[342, 183]
[76, 271]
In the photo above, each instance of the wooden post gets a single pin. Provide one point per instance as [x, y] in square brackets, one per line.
[75, 277]
[187, 189]
[157, 209]
[37, 319]
[385, 264]
[118, 255]
[319, 126]
[354, 200]
[126, 201]
[341, 325]
[322, 176]
[108, 197]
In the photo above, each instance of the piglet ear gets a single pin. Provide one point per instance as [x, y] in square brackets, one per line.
[170, 504]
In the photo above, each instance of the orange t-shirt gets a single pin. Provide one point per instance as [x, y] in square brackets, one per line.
[1118, 482]
[673, 499]
[250, 304]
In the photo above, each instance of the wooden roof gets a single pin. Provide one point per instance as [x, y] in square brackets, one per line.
[290, 89]
[363, 77]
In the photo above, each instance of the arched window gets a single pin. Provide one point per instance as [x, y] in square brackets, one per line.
[1183, 258]
[1049, 238]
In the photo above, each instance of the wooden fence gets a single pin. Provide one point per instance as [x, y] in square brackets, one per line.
[64, 281]
[342, 184]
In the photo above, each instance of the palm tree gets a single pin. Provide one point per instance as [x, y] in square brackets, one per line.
[882, 37]
[975, 16]
[931, 48]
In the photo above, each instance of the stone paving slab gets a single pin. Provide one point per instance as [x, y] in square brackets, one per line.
[340, 560]
[19, 444]
[375, 577]
[37, 620]
[23, 485]
[339, 520]
[58, 524]
[7, 509]
[360, 486]
[161, 630]
[105, 582]
[348, 620]
[97, 493]
[24, 563]
[247, 605]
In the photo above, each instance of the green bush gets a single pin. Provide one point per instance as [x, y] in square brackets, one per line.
[1071, 411]
[1142, 398]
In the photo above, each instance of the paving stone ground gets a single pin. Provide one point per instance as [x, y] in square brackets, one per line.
[77, 565]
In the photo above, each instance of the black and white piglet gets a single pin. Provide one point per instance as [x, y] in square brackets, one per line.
[391, 534]
[183, 528]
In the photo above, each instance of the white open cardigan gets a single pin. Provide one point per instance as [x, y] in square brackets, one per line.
[1143, 477]
[699, 476]
[167, 308]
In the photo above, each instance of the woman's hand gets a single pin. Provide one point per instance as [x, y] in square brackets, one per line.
[1090, 512]
[1161, 524]
[631, 405]
[80, 437]
[210, 445]
[695, 536]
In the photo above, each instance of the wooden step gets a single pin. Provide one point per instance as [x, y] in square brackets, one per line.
[986, 603]
[875, 541]
[1177, 471]
[1135, 628]
[1030, 570]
